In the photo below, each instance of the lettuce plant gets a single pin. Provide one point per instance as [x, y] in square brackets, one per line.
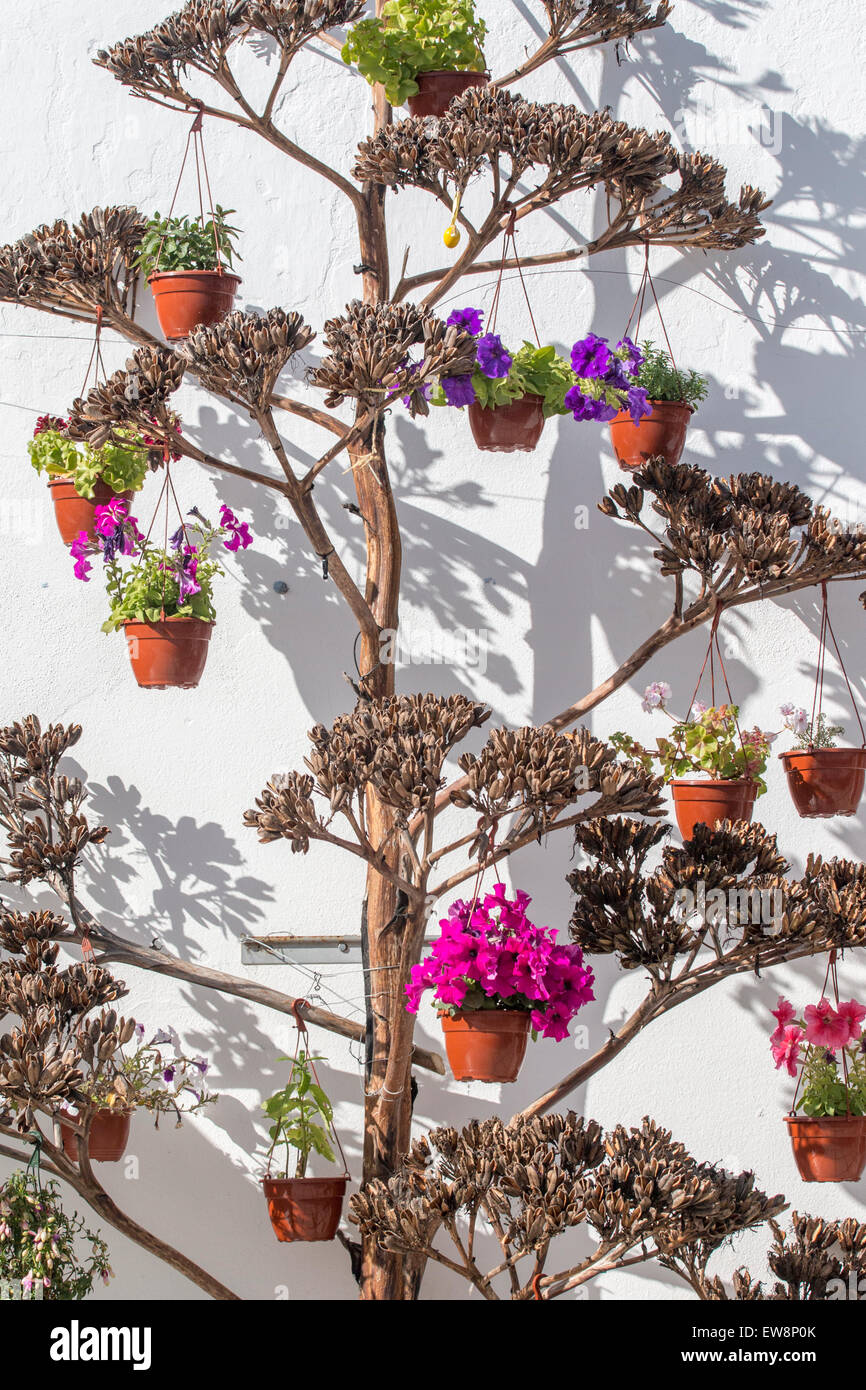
[490, 956]
[415, 36]
[708, 742]
[828, 1034]
[173, 582]
[121, 465]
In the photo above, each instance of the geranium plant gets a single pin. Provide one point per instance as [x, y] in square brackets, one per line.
[187, 243]
[491, 956]
[708, 742]
[302, 1117]
[809, 735]
[415, 36]
[152, 1079]
[662, 381]
[42, 1248]
[834, 1064]
[121, 463]
[156, 582]
[595, 386]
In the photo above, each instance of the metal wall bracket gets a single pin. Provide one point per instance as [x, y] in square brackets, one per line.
[302, 950]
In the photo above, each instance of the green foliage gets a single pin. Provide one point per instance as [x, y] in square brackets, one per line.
[41, 1245]
[708, 743]
[824, 1090]
[663, 382]
[297, 1111]
[150, 1079]
[821, 735]
[122, 466]
[534, 371]
[187, 243]
[415, 36]
[146, 589]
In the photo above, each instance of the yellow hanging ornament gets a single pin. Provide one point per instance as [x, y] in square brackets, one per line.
[452, 232]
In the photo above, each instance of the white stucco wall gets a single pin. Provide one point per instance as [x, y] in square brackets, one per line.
[490, 544]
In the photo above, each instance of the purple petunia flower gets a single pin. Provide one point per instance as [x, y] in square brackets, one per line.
[587, 407]
[470, 320]
[638, 404]
[591, 357]
[458, 390]
[493, 359]
[633, 355]
[168, 1075]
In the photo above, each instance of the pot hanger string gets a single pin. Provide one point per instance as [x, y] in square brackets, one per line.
[302, 1032]
[509, 240]
[827, 627]
[167, 495]
[195, 138]
[831, 975]
[646, 283]
[713, 654]
[95, 362]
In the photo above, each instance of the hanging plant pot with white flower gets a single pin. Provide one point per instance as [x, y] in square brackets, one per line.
[496, 977]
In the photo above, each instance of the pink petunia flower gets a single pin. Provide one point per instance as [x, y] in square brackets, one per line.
[786, 1049]
[824, 1027]
[853, 1014]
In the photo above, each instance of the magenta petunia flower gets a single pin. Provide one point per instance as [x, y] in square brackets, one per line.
[786, 1049]
[783, 1013]
[853, 1014]
[824, 1027]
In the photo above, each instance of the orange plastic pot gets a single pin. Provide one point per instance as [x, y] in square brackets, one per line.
[169, 654]
[436, 90]
[826, 781]
[305, 1208]
[108, 1138]
[75, 513]
[486, 1044]
[708, 801]
[832, 1149]
[188, 299]
[508, 429]
[661, 434]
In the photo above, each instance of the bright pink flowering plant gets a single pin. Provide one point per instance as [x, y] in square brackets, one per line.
[834, 1061]
[490, 956]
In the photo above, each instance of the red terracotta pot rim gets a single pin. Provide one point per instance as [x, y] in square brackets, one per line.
[171, 618]
[856, 755]
[99, 1110]
[307, 1182]
[659, 408]
[508, 1020]
[713, 782]
[447, 72]
[222, 275]
[67, 480]
[508, 405]
[825, 1120]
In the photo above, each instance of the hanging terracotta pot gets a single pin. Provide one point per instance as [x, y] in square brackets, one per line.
[710, 800]
[75, 513]
[508, 429]
[188, 299]
[486, 1044]
[661, 434]
[436, 90]
[831, 1149]
[305, 1208]
[169, 654]
[826, 781]
[108, 1138]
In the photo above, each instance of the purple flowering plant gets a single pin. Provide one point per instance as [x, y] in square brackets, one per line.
[156, 580]
[152, 1078]
[491, 956]
[606, 380]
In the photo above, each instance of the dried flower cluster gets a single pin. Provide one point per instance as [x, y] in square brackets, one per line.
[580, 22]
[572, 151]
[78, 268]
[41, 811]
[535, 1179]
[816, 1260]
[738, 532]
[135, 398]
[200, 35]
[539, 771]
[710, 892]
[242, 357]
[369, 350]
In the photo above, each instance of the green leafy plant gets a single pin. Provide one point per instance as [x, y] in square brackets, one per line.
[534, 371]
[187, 243]
[151, 1079]
[302, 1117]
[824, 1089]
[415, 36]
[833, 1069]
[709, 742]
[40, 1245]
[121, 464]
[662, 381]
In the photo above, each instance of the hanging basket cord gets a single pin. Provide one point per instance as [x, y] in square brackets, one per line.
[196, 138]
[302, 1032]
[34, 1161]
[714, 651]
[166, 491]
[831, 974]
[817, 702]
[646, 282]
[95, 362]
[509, 240]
